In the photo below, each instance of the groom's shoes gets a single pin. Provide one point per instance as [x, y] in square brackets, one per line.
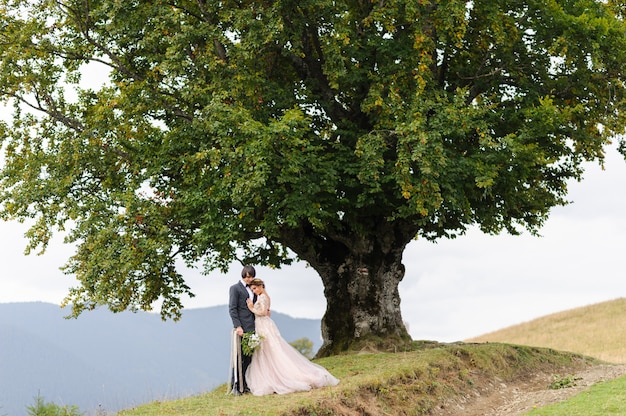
[246, 391]
[235, 392]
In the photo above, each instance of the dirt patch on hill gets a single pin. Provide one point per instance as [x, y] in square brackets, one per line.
[500, 398]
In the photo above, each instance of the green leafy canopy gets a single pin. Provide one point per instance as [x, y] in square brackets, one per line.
[222, 127]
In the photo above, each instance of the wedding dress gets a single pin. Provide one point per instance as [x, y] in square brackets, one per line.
[276, 366]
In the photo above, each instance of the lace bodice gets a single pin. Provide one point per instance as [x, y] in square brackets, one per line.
[262, 305]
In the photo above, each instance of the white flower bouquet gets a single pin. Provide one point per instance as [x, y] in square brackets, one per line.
[250, 341]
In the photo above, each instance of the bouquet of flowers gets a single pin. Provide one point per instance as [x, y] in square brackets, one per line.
[250, 341]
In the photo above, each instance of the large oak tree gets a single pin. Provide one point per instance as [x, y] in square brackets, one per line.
[333, 131]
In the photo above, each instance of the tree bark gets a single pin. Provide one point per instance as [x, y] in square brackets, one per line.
[361, 277]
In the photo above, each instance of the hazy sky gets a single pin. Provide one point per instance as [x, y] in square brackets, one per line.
[453, 290]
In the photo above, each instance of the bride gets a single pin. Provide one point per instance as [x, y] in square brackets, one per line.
[276, 366]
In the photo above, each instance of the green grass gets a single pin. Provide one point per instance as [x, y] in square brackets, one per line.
[601, 399]
[405, 383]
[434, 376]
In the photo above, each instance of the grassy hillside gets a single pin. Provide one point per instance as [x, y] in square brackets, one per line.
[415, 382]
[432, 377]
[597, 330]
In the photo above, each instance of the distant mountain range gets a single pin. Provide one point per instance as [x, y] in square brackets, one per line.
[104, 362]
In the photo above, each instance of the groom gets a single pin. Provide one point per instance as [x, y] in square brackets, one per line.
[243, 321]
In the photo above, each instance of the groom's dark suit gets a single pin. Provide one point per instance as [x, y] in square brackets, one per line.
[238, 308]
[241, 317]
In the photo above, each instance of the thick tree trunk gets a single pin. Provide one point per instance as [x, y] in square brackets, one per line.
[363, 303]
[361, 277]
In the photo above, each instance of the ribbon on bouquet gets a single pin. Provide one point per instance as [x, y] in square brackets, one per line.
[236, 370]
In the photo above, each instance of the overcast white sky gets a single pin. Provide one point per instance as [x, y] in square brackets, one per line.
[453, 290]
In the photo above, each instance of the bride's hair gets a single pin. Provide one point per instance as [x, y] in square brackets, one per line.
[257, 282]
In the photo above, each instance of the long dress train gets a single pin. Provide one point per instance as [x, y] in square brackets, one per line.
[276, 366]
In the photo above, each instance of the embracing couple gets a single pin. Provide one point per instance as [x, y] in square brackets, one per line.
[276, 366]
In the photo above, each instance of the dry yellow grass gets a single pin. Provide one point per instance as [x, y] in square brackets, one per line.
[597, 330]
